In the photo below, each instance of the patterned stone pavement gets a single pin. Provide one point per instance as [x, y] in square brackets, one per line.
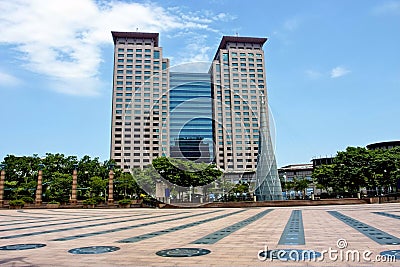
[233, 237]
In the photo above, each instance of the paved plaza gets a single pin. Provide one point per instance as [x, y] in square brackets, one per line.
[221, 237]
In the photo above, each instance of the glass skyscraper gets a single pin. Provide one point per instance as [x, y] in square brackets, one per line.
[190, 121]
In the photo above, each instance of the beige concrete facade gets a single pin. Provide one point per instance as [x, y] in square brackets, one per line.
[238, 74]
[239, 81]
[140, 100]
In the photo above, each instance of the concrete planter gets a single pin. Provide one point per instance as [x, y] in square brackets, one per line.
[52, 206]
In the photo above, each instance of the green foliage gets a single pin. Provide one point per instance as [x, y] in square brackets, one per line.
[16, 202]
[126, 185]
[97, 185]
[27, 199]
[90, 201]
[358, 167]
[241, 188]
[124, 201]
[60, 187]
[186, 173]
[54, 202]
[22, 175]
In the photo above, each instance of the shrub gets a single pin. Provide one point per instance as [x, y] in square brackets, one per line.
[98, 199]
[90, 201]
[27, 199]
[17, 202]
[54, 202]
[125, 201]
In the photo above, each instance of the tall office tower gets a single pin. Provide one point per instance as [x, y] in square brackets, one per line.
[140, 106]
[238, 78]
[190, 116]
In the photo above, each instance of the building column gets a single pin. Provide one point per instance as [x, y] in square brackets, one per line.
[2, 180]
[38, 199]
[111, 185]
[74, 185]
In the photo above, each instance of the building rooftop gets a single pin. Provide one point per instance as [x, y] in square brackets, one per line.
[138, 35]
[383, 144]
[237, 39]
[305, 166]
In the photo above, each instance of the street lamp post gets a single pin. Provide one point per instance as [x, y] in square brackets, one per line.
[73, 200]
[2, 180]
[111, 185]
[38, 199]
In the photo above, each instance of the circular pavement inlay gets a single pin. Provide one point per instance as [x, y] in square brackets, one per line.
[391, 253]
[183, 252]
[93, 250]
[289, 254]
[22, 246]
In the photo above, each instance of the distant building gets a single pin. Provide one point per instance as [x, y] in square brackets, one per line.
[322, 161]
[383, 145]
[298, 171]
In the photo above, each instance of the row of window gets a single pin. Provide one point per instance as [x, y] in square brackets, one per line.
[243, 75]
[238, 113]
[155, 96]
[128, 154]
[228, 148]
[239, 136]
[138, 123]
[237, 167]
[240, 160]
[137, 142]
[137, 77]
[138, 148]
[138, 50]
[116, 136]
[138, 84]
[240, 154]
[138, 112]
[225, 56]
[155, 130]
[234, 54]
[130, 66]
[156, 54]
[138, 89]
[240, 119]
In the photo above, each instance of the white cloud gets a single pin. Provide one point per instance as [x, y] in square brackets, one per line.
[7, 79]
[63, 39]
[391, 7]
[339, 72]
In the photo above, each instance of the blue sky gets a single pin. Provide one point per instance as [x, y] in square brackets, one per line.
[333, 68]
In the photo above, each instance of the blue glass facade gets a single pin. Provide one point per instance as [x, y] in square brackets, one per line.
[190, 116]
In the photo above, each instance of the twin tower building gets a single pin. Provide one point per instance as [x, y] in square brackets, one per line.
[220, 116]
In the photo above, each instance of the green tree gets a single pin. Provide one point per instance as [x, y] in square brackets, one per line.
[97, 185]
[353, 168]
[301, 185]
[324, 177]
[186, 173]
[60, 187]
[127, 184]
